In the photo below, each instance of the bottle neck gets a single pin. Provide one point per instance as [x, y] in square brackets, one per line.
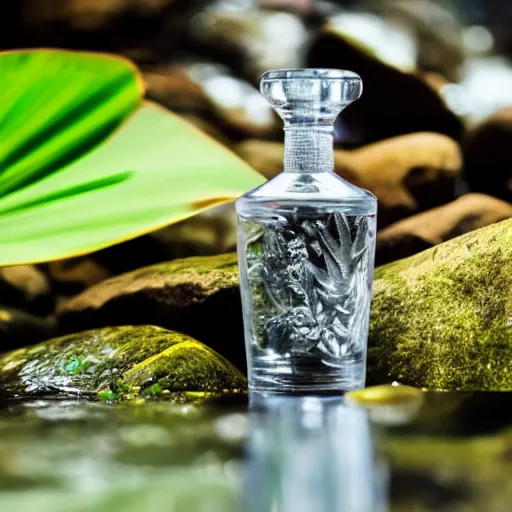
[308, 149]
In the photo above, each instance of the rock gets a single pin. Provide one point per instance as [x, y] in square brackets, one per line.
[436, 31]
[118, 362]
[135, 27]
[211, 92]
[19, 328]
[73, 275]
[210, 232]
[487, 156]
[236, 105]
[25, 287]
[424, 230]
[263, 155]
[173, 87]
[198, 296]
[442, 319]
[393, 102]
[408, 174]
[250, 41]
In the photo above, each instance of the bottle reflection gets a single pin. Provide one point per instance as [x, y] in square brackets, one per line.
[312, 454]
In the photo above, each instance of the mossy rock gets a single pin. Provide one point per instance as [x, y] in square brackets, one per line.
[119, 362]
[442, 319]
[189, 295]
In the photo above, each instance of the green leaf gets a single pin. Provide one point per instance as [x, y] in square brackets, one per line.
[55, 105]
[156, 170]
[70, 183]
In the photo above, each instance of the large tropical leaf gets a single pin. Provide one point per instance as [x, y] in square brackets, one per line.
[59, 197]
[55, 105]
[157, 169]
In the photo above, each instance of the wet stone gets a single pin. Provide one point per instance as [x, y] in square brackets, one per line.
[487, 156]
[118, 363]
[198, 296]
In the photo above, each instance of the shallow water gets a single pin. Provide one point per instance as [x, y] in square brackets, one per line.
[282, 455]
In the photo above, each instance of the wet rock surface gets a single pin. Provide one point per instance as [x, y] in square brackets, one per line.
[116, 363]
[441, 318]
[191, 295]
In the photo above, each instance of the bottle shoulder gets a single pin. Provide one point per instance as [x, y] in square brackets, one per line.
[324, 190]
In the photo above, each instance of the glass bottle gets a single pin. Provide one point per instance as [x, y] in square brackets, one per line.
[306, 243]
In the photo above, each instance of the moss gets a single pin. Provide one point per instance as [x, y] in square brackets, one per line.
[440, 320]
[175, 283]
[187, 366]
[106, 363]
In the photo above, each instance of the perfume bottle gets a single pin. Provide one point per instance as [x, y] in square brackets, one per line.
[306, 243]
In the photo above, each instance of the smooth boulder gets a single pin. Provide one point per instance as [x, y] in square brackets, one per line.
[117, 363]
[393, 102]
[442, 319]
[408, 174]
[487, 156]
[26, 287]
[424, 230]
[198, 296]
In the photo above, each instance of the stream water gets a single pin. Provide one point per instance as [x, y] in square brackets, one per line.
[290, 454]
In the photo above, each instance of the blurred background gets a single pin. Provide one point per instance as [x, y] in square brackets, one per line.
[430, 137]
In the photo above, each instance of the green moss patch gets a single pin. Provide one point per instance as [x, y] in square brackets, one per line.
[116, 363]
[441, 319]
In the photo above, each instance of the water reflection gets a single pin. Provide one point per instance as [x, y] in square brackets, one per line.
[312, 454]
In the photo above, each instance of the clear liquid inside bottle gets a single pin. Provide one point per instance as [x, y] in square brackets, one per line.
[306, 242]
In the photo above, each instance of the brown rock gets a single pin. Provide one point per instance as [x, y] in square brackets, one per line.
[436, 31]
[424, 230]
[25, 287]
[75, 274]
[208, 233]
[393, 102]
[408, 174]
[488, 156]
[175, 89]
[263, 155]
[19, 329]
[250, 41]
[198, 296]
[212, 93]
[141, 27]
